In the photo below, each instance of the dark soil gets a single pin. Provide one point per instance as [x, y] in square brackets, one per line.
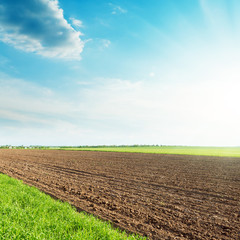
[159, 196]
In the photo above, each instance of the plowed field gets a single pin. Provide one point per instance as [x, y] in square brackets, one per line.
[159, 196]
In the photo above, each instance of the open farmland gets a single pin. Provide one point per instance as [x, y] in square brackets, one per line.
[26, 213]
[160, 196]
[185, 150]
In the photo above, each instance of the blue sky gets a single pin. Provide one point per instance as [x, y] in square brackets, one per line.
[120, 72]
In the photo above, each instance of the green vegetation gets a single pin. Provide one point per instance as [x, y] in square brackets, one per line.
[27, 213]
[185, 150]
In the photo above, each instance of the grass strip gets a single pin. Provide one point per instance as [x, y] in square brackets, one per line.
[27, 213]
[184, 150]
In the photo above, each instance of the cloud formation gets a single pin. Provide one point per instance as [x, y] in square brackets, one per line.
[116, 111]
[76, 22]
[39, 26]
[106, 43]
[117, 9]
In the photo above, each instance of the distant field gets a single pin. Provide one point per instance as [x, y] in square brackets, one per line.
[27, 213]
[204, 151]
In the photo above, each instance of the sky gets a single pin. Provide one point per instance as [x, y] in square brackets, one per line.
[76, 72]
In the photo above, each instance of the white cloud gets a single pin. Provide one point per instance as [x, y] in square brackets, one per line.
[77, 22]
[39, 26]
[117, 9]
[31, 103]
[116, 111]
[106, 43]
[201, 113]
[101, 44]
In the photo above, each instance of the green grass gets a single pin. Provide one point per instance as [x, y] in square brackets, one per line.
[207, 151]
[185, 150]
[27, 213]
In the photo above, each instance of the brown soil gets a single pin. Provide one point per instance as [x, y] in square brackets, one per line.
[159, 196]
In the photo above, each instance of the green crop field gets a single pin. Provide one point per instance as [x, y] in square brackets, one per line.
[206, 151]
[184, 150]
[27, 213]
